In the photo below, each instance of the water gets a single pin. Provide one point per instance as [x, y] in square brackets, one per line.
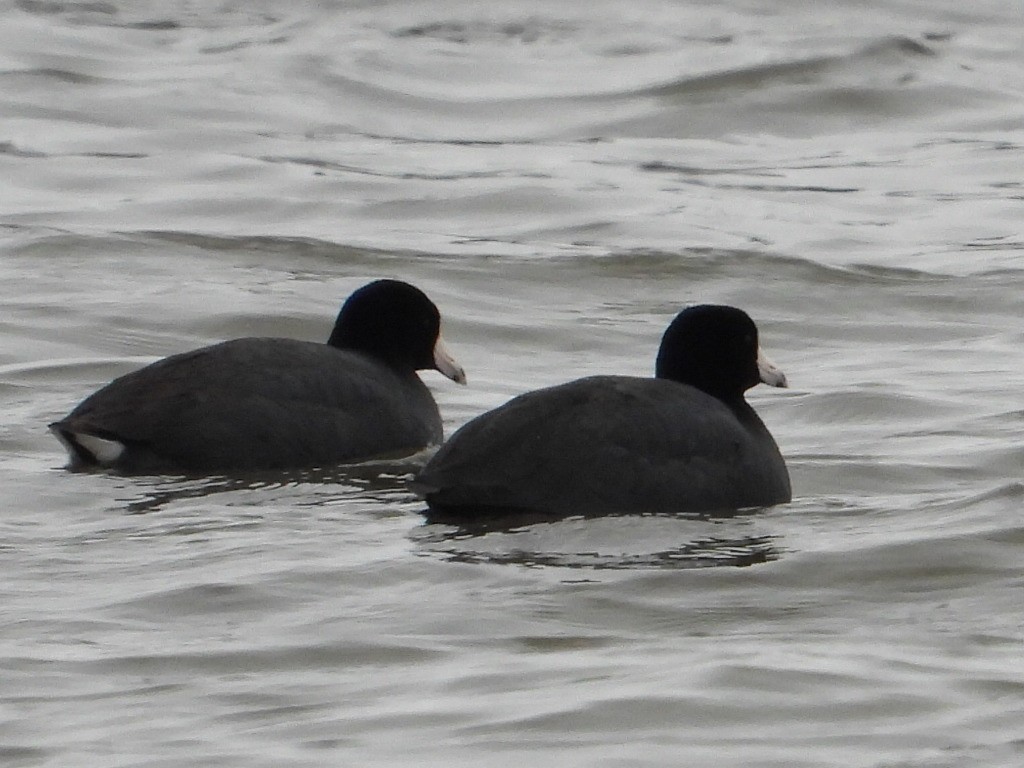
[561, 179]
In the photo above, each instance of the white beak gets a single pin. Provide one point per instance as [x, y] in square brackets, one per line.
[446, 363]
[770, 372]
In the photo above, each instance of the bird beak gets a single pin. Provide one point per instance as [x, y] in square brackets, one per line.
[769, 372]
[446, 363]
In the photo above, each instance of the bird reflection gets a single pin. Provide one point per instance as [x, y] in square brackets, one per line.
[375, 481]
[706, 541]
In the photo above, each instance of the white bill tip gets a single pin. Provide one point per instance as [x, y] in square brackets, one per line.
[770, 373]
[446, 363]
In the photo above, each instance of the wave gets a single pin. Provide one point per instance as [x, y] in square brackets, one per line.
[888, 79]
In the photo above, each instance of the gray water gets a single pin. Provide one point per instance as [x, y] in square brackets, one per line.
[561, 178]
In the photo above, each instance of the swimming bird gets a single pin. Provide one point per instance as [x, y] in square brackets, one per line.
[276, 403]
[683, 441]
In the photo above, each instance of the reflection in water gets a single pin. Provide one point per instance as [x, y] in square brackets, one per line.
[589, 543]
[382, 481]
[704, 553]
[704, 541]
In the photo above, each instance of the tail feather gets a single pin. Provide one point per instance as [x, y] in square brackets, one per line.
[88, 449]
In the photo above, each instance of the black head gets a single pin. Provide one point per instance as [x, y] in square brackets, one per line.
[714, 348]
[396, 323]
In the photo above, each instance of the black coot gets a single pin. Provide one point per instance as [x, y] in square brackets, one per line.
[685, 441]
[270, 403]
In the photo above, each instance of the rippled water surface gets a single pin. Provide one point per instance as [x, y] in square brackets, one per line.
[560, 178]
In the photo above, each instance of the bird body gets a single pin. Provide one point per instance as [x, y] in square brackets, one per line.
[684, 441]
[269, 403]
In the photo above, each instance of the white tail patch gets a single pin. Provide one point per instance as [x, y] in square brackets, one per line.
[103, 451]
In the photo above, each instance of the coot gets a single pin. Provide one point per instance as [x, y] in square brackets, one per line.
[272, 403]
[684, 441]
